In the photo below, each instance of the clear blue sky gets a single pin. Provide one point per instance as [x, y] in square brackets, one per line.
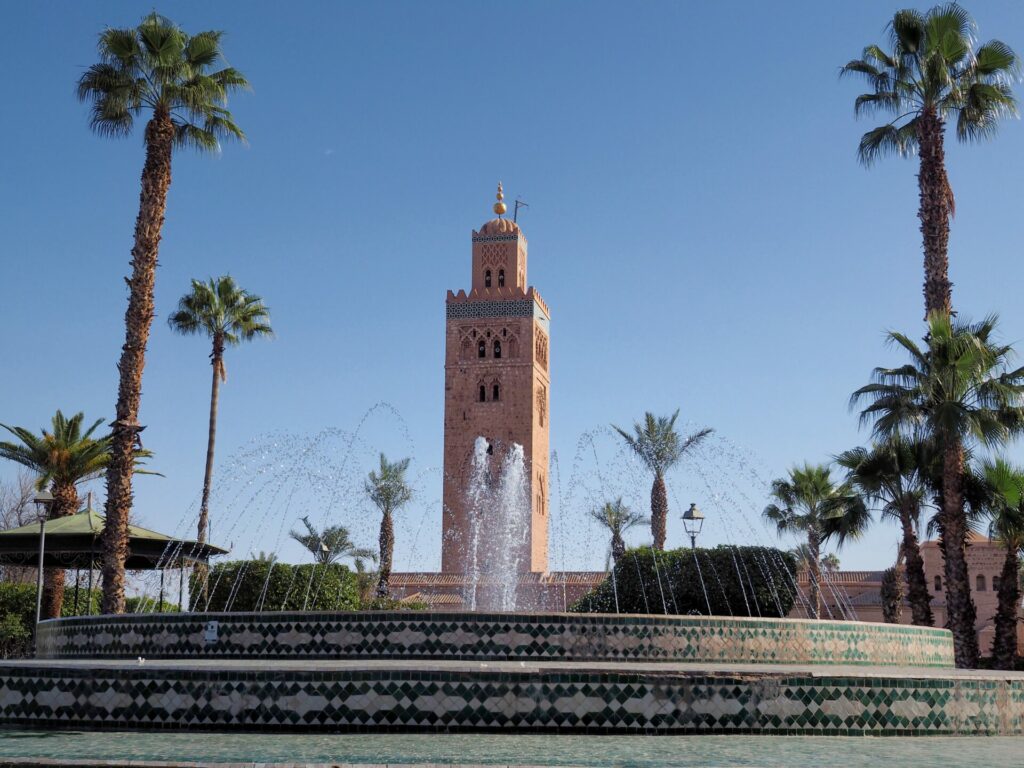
[698, 224]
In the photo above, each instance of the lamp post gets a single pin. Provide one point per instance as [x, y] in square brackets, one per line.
[43, 501]
[693, 521]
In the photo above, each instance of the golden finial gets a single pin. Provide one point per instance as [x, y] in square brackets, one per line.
[500, 207]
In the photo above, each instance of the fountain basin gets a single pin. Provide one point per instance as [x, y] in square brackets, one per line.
[495, 637]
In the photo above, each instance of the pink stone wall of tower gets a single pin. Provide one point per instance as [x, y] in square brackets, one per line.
[497, 343]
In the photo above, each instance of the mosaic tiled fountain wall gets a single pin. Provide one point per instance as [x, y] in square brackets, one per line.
[547, 673]
[497, 637]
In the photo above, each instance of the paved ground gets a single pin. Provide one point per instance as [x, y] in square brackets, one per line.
[647, 668]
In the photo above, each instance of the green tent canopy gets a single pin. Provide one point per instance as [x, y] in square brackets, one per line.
[74, 542]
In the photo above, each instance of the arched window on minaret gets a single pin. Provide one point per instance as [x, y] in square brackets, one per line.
[497, 349]
[483, 393]
[481, 349]
[495, 392]
[501, 278]
[487, 279]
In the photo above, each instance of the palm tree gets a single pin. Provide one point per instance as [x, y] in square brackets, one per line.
[331, 545]
[617, 518]
[228, 315]
[159, 71]
[63, 457]
[932, 74]
[389, 491]
[660, 448]
[891, 593]
[957, 392]
[811, 503]
[1006, 510]
[893, 475]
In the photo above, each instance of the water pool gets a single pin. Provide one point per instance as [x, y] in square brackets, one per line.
[503, 750]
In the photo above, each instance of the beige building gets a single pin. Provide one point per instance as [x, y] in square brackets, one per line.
[858, 592]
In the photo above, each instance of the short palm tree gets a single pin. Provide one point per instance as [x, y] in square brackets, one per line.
[893, 476]
[617, 518]
[331, 545]
[63, 457]
[809, 502]
[227, 315]
[1006, 511]
[958, 392]
[172, 78]
[389, 491]
[660, 447]
[931, 73]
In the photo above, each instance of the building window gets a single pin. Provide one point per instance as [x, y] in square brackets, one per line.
[483, 394]
[497, 349]
[487, 279]
[501, 278]
[938, 583]
[495, 392]
[979, 582]
[996, 581]
[481, 349]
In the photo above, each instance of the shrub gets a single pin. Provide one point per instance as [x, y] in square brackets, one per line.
[18, 614]
[239, 586]
[646, 581]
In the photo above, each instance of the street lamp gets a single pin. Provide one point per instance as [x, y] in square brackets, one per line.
[43, 501]
[693, 521]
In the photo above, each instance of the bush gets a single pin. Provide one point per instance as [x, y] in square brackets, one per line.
[668, 582]
[239, 585]
[147, 604]
[18, 614]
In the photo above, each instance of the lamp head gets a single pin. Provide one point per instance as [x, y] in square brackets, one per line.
[693, 520]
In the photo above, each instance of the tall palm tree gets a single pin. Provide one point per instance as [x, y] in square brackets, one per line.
[958, 392]
[159, 71]
[1006, 510]
[809, 502]
[228, 315]
[617, 518]
[660, 447]
[893, 475]
[930, 74]
[62, 457]
[389, 491]
[331, 545]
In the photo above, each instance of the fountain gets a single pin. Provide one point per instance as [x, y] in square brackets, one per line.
[498, 506]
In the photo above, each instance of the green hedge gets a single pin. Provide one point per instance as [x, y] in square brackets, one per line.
[18, 614]
[238, 585]
[646, 581]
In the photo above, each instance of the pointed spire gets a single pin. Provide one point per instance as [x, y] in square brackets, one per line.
[500, 207]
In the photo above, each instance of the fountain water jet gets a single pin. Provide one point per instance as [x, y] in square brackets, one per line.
[499, 512]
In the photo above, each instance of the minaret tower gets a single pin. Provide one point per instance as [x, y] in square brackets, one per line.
[496, 383]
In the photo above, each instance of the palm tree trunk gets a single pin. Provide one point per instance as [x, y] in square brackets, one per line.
[1004, 644]
[936, 207]
[892, 594]
[659, 510]
[917, 586]
[387, 546]
[618, 547]
[156, 180]
[65, 502]
[814, 573]
[960, 612]
[216, 362]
